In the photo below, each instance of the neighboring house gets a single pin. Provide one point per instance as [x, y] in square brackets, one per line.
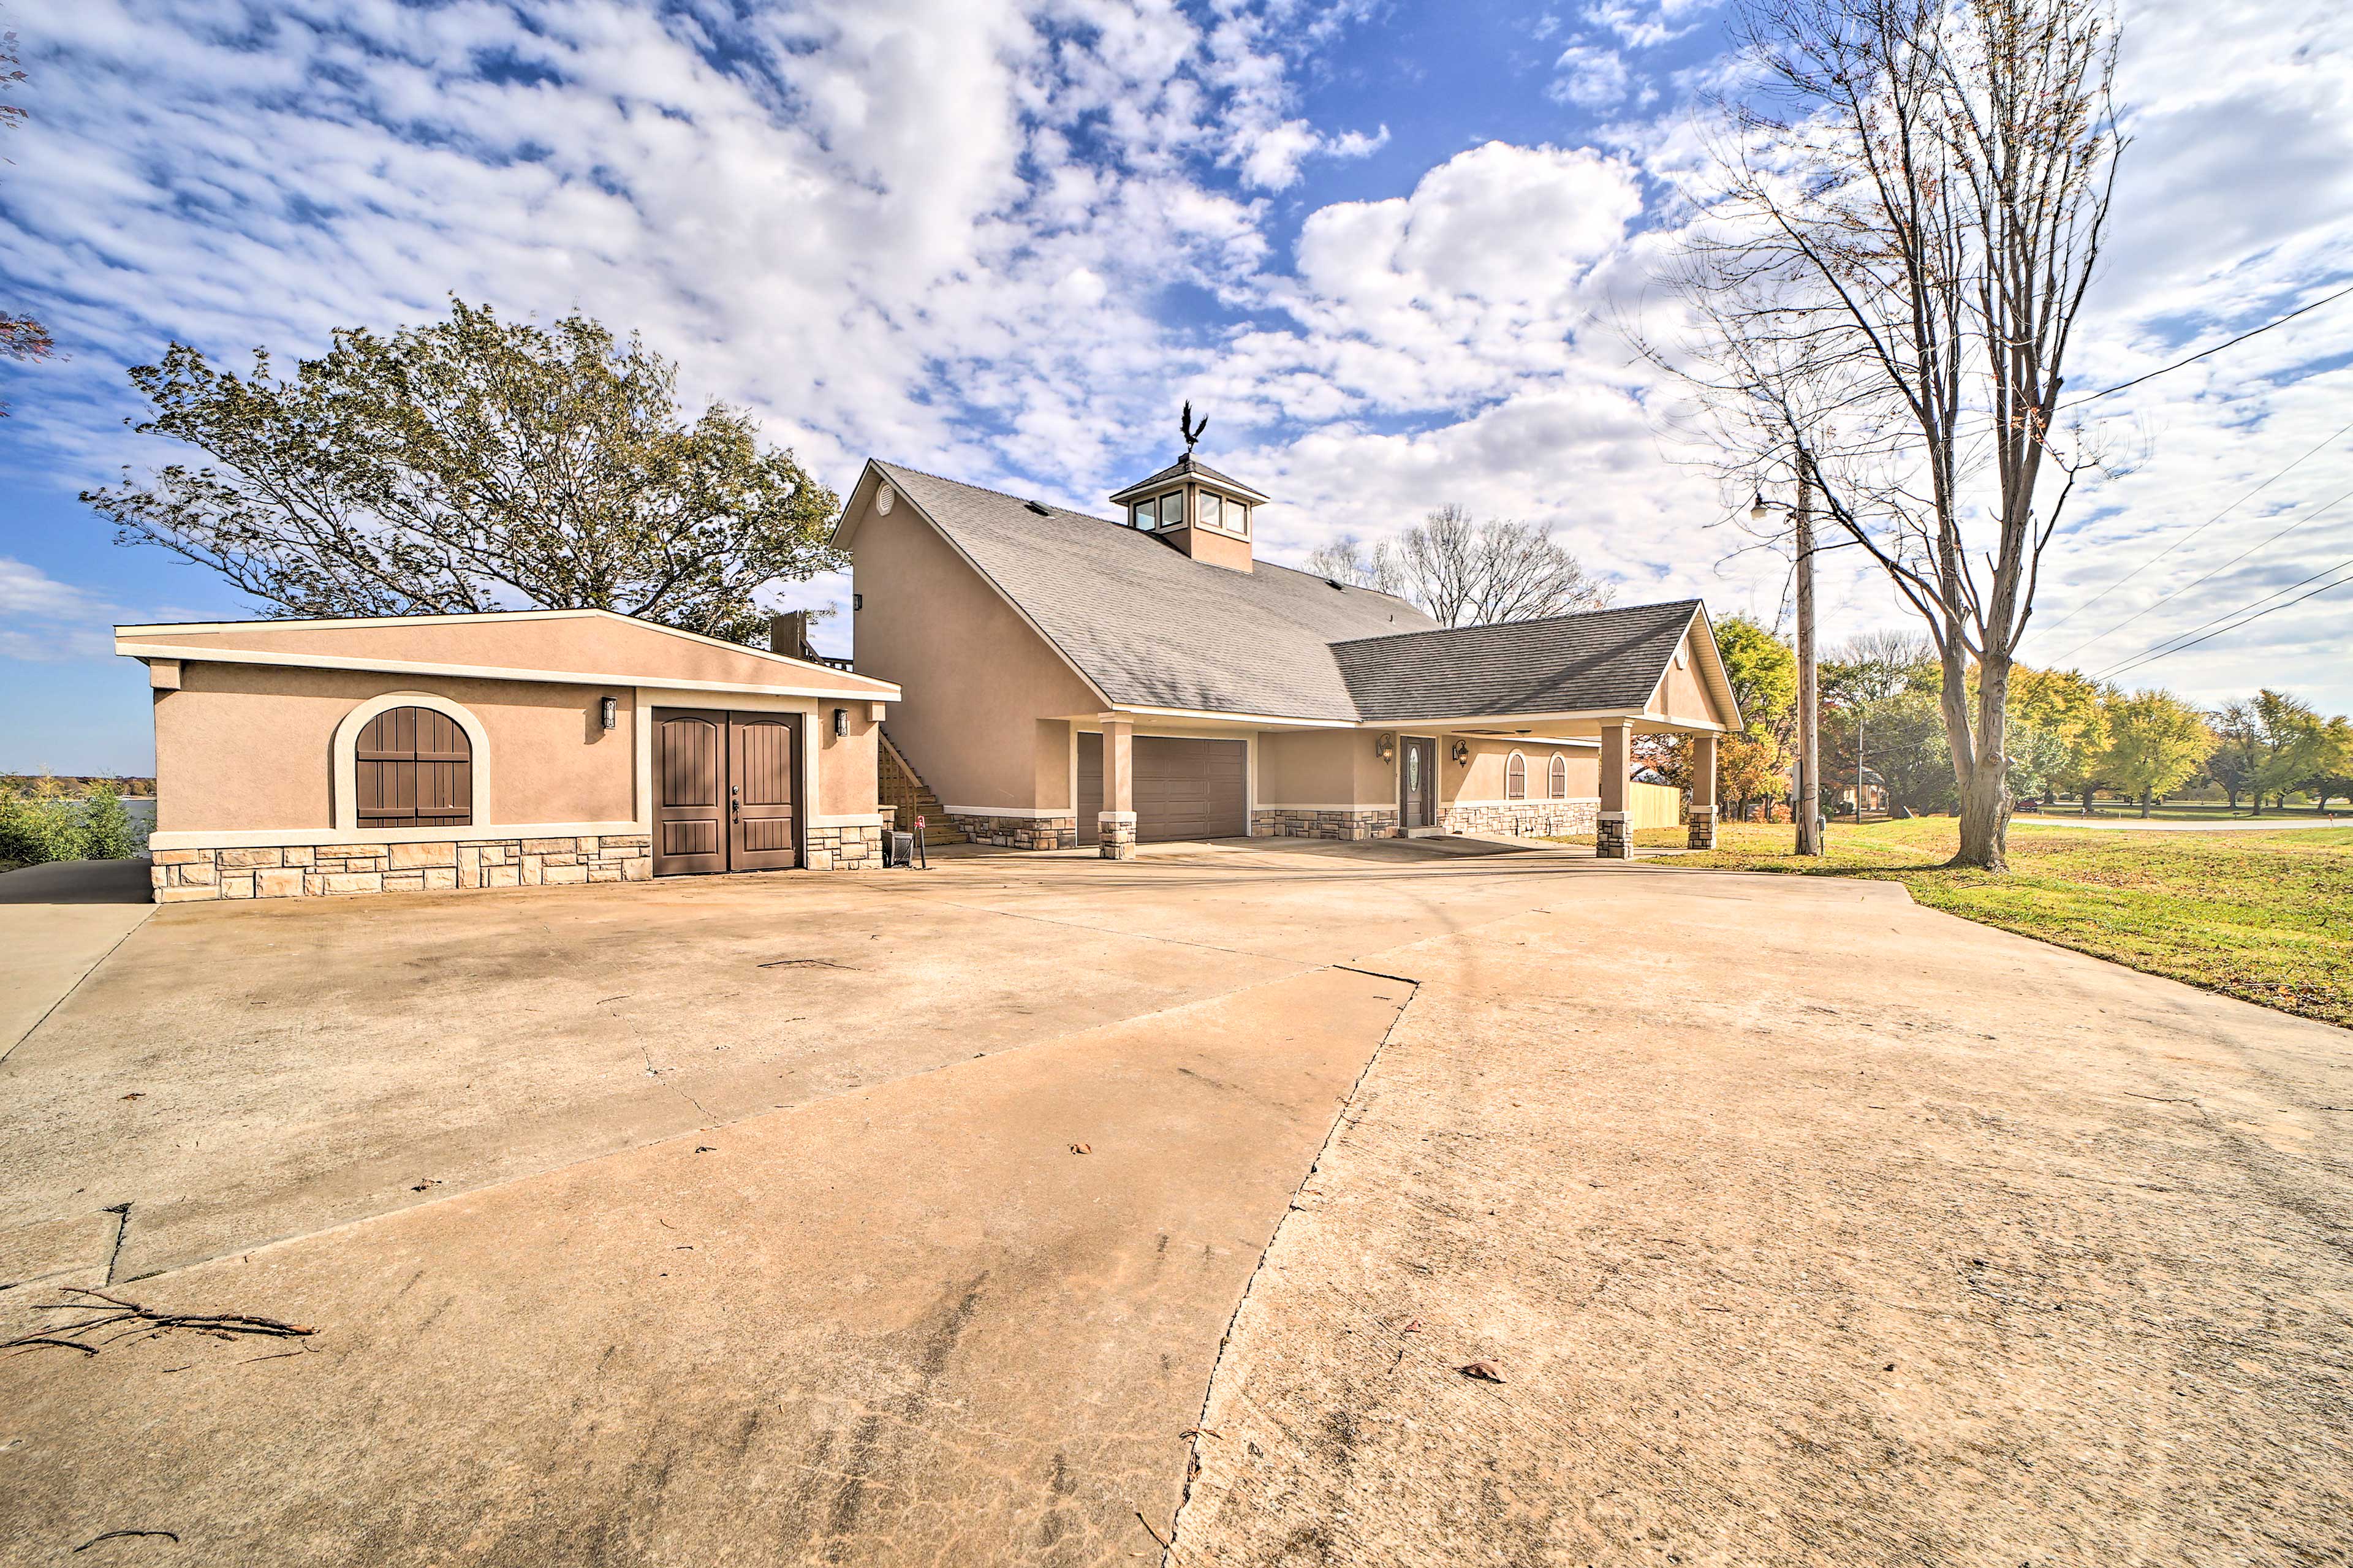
[1070, 679]
[298, 757]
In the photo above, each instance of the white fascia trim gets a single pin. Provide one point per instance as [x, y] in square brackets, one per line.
[1262, 720]
[309, 838]
[1023, 811]
[876, 693]
[498, 616]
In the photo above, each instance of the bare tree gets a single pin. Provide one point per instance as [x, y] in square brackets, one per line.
[1348, 560]
[1885, 287]
[1470, 573]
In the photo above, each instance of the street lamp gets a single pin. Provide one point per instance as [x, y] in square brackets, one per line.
[1809, 787]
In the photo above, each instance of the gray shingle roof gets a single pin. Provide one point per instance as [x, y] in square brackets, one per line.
[1605, 659]
[1188, 467]
[1153, 628]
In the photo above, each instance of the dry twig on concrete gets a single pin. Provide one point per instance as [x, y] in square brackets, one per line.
[144, 1322]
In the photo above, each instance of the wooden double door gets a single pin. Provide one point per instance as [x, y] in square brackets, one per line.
[724, 791]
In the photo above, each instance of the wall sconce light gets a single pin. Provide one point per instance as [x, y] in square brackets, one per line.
[1462, 753]
[609, 713]
[841, 721]
[1385, 746]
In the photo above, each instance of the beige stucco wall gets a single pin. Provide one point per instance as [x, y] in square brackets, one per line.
[848, 779]
[1483, 778]
[985, 695]
[594, 645]
[1683, 697]
[1323, 767]
[245, 747]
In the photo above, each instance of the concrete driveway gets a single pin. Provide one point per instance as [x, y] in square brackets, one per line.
[903, 1219]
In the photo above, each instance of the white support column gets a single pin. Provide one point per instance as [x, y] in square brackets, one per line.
[1613, 837]
[1115, 824]
[1700, 822]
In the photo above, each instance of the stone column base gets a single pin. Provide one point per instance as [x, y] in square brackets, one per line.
[1613, 836]
[1115, 832]
[1700, 822]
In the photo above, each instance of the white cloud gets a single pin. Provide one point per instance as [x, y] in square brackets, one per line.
[43, 620]
[1590, 77]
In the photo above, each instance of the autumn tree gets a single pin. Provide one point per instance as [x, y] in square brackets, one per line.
[1908, 210]
[473, 464]
[2066, 714]
[2156, 742]
[21, 337]
[1752, 764]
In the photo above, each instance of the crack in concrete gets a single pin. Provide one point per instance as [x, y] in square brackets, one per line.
[1340, 1122]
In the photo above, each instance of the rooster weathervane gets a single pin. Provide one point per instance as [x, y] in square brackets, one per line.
[1186, 428]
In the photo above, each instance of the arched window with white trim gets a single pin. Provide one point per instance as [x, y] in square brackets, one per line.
[1516, 777]
[410, 761]
[1559, 780]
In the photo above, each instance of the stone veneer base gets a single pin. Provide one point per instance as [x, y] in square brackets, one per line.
[338, 870]
[1699, 822]
[1359, 822]
[1523, 818]
[1019, 832]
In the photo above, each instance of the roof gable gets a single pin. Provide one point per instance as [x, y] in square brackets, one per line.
[1601, 661]
[1145, 625]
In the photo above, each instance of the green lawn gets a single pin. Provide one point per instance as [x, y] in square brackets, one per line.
[2263, 916]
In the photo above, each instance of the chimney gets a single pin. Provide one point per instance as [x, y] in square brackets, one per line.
[788, 634]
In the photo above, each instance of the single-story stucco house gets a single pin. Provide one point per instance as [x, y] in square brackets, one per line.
[1075, 679]
[299, 757]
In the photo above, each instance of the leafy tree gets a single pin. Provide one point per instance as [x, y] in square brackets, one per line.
[2156, 742]
[2066, 714]
[473, 464]
[1752, 764]
[36, 827]
[21, 337]
[1867, 671]
[107, 832]
[1909, 750]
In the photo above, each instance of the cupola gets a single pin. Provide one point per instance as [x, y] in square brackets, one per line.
[1195, 507]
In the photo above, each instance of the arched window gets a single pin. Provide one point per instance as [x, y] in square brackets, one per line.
[1516, 777]
[1560, 780]
[414, 767]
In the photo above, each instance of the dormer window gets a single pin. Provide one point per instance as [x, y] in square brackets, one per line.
[1161, 511]
[1219, 511]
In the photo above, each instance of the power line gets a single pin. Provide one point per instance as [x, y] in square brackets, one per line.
[2158, 650]
[2324, 588]
[2218, 348]
[2191, 535]
[2233, 560]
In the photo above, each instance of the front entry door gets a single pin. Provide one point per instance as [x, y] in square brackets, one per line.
[724, 794]
[760, 788]
[1417, 783]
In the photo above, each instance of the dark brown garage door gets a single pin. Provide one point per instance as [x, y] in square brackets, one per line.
[1183, 789]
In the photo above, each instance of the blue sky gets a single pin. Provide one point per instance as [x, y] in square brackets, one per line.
[1378, 244]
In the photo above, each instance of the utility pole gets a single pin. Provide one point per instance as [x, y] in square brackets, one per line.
[1808, 790]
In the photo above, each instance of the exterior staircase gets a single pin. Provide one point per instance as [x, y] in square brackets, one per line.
[901, 788]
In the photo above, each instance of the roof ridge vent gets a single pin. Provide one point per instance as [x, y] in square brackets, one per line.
[1041, 508]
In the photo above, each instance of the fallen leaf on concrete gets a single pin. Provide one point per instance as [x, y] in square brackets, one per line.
[1483, 1370]
[428, 1182]
[1082, 1148]
[135, 1094]
[706, 1148]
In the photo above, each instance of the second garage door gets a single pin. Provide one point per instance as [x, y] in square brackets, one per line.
[1183, 789]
